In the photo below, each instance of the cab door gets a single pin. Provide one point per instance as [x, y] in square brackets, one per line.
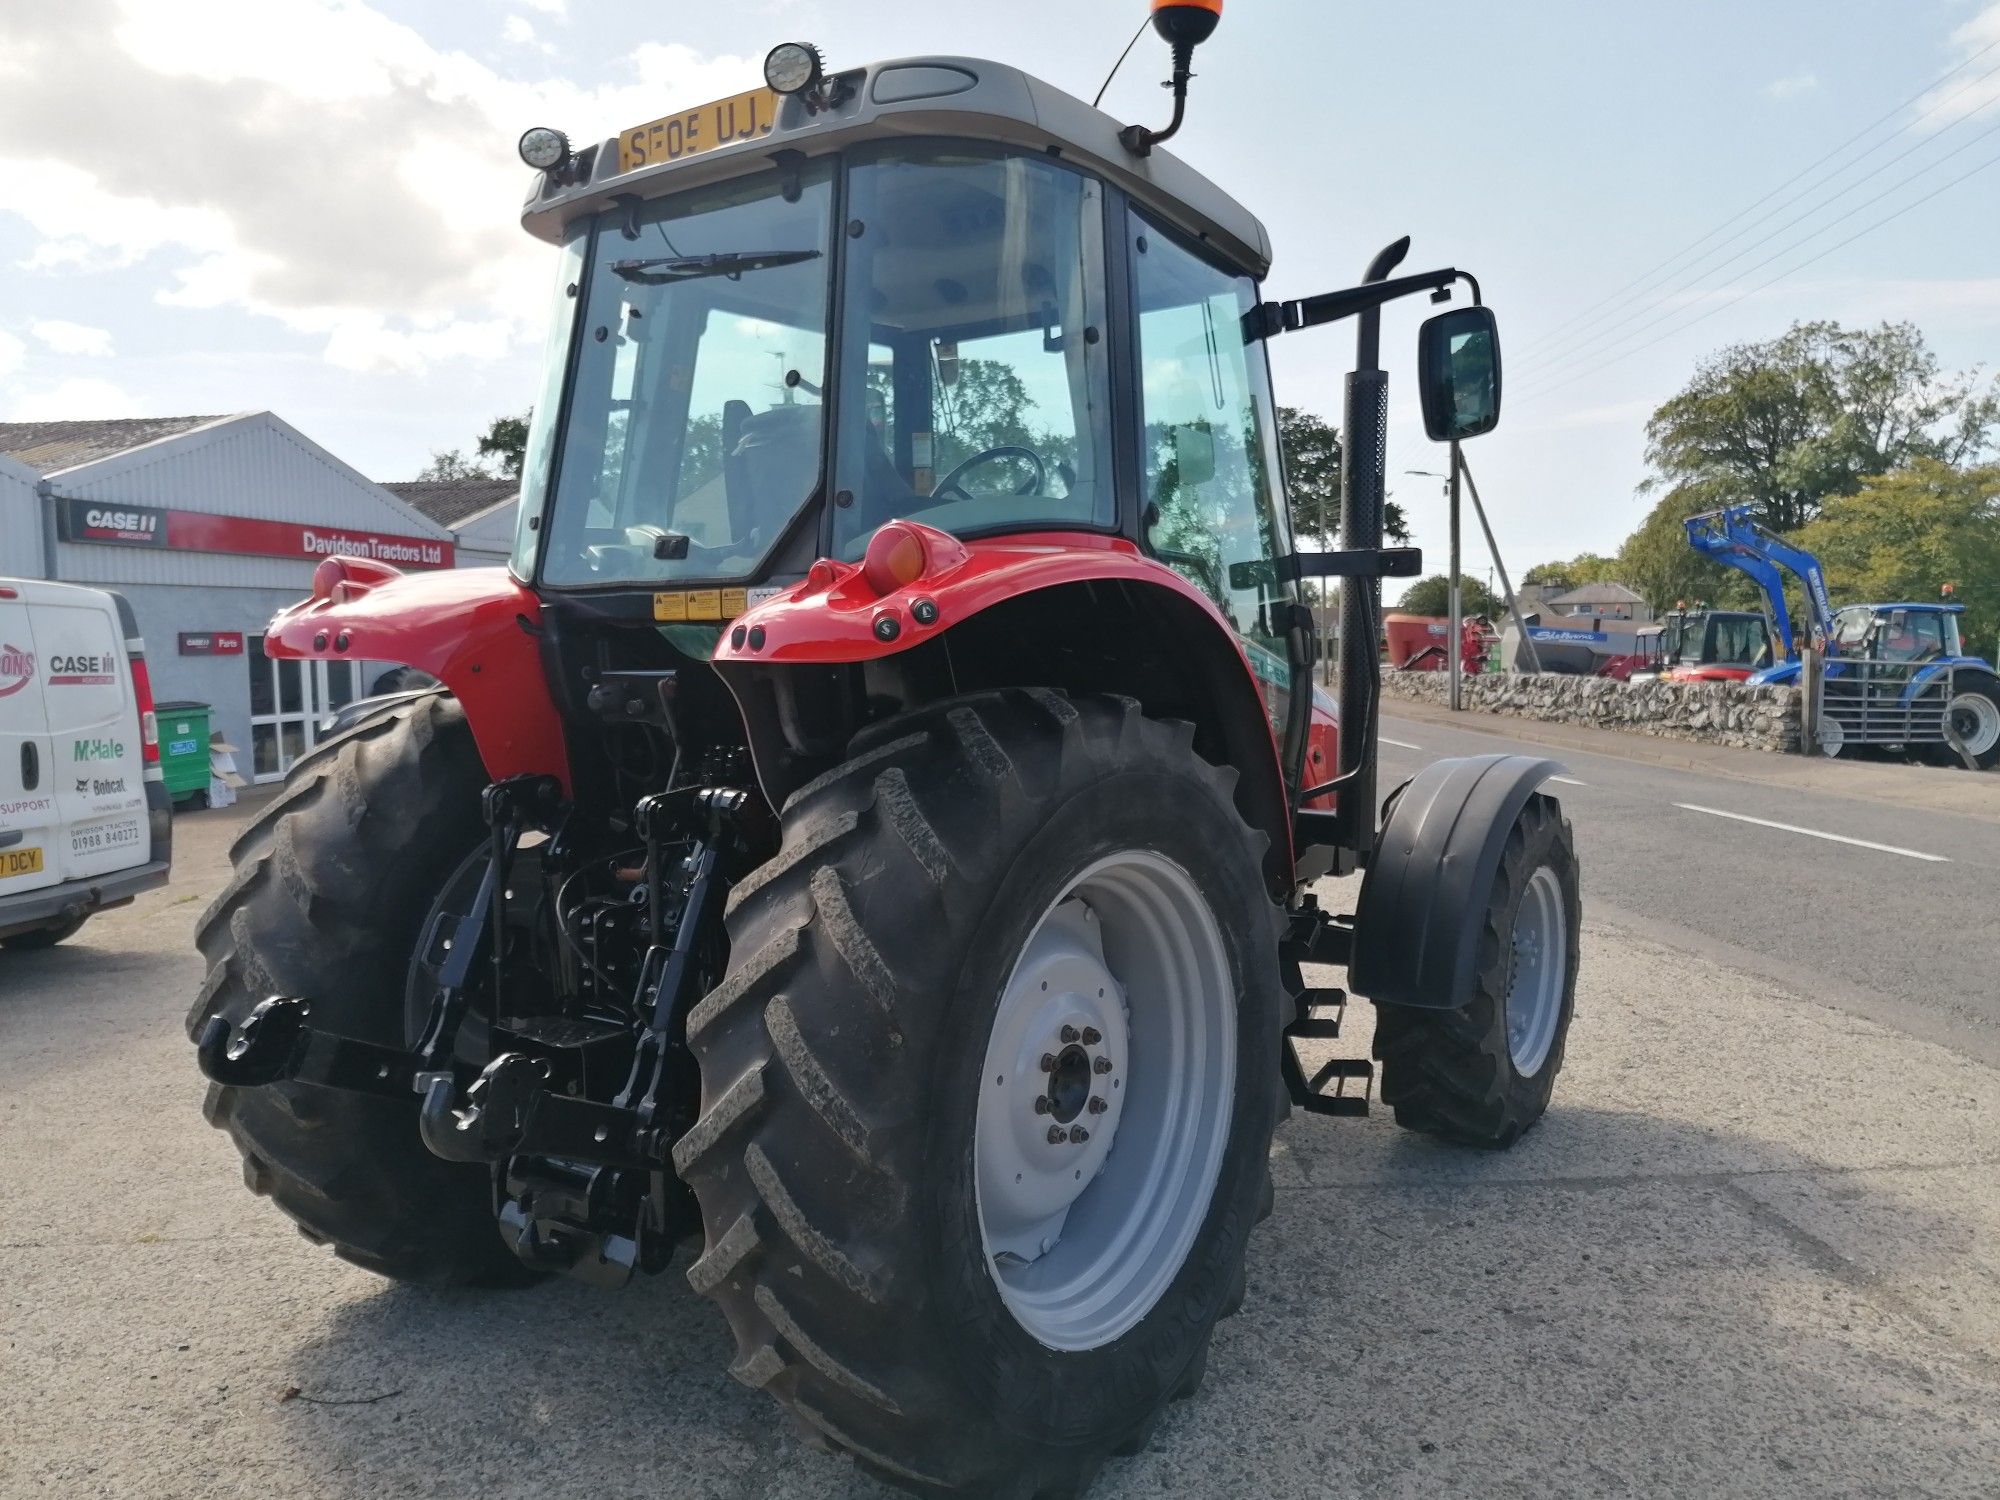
[93, 728]
[29, 857]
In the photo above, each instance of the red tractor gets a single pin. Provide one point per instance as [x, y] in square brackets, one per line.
[865, 836]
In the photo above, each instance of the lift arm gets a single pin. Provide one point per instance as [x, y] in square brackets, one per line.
[1736, 541]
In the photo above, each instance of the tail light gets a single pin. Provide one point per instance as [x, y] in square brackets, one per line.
[149, 722]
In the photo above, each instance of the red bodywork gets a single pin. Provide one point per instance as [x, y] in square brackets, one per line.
[469, 628]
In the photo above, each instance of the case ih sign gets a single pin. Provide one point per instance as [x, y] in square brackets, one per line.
[197, 531]
[211, 643]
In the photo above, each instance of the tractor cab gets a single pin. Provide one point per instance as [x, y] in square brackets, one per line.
[932, 291]
[1712, 645]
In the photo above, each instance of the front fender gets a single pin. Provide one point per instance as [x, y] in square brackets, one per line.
[1417, 926]
[473, 629]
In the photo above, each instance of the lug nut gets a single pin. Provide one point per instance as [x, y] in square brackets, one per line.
[1048, 1062]
[1057, 1135]
[1079, 1134]
[1098, 1106]
[1041, 1105]
[1069, 1033]
[1092, 1036]
[1102, 1065]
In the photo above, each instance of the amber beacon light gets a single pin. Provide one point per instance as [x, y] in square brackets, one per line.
[1185, 25]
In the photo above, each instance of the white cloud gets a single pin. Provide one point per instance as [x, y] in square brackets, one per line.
[75, 400]
[1786, 89]
[12, 353]
[1966, 93]
[71, 338]
[548, 7]
[310, 161]
[520, 30]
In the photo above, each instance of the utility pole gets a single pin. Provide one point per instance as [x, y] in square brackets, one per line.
[1459, 466]
[1456, 607]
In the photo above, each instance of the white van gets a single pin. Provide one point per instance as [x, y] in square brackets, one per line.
[85, 821]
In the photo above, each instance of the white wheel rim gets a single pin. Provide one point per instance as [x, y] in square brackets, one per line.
[1976, 717]
[1535, 978]
[1832, 738]
[1083, 1238]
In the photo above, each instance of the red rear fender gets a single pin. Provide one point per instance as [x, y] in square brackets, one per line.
[917, 584]
[471, 628]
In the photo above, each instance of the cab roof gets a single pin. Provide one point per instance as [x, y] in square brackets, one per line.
[957, 97]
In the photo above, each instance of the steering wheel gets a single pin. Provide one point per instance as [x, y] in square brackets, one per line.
[1005, 450]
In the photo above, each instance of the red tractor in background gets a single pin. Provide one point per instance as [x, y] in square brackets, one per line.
[866, 835]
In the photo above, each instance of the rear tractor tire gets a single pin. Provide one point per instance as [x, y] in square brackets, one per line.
[1482, 1074]
[334, 892]
[987, 1092]
[1974, 711]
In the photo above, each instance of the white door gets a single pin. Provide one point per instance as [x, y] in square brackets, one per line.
[28, 819]
[98, 770]
[287, 700]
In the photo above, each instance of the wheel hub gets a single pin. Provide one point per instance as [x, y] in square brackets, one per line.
[1053, 1089]
[1540, 943]
[1106, 1103]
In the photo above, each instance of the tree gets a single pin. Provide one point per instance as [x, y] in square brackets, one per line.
[451, 464]
[1585, 567]
[506, 439]
[1312, 478]
[1782, 425]
[1907, 534]
[1432, 596]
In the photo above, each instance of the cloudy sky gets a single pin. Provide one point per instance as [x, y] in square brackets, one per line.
[309, 205]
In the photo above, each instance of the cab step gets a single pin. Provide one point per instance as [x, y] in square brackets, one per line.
[1320, 1013]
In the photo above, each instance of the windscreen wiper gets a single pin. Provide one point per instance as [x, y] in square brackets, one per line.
[666, 269]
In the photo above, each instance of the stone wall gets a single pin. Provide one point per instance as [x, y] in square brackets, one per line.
[1716, 713]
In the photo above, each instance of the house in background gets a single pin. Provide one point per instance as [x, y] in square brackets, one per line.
[479, 512]
[1600, 602]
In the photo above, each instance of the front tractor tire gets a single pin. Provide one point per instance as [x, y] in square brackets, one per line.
[334, 887]
[988, 1092]
[1482, 1074]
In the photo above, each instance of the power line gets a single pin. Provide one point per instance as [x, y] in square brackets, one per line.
[1866, 130]
[1763, 286]
[1565, 359]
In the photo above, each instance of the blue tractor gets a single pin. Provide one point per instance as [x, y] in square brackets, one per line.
[1896, 674]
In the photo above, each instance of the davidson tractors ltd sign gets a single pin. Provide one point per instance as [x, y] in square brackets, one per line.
[197, 531]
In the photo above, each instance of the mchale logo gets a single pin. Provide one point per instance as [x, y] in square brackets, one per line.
[97, 750]
[17, 670]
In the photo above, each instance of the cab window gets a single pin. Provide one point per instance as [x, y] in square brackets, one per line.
[1210, 464]
[975, 329]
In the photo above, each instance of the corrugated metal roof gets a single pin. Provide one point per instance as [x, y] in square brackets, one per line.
[449, 501]
[50, 446]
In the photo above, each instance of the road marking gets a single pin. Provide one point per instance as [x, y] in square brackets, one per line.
[1569, 781]
[1814, 833]
[1399, 744]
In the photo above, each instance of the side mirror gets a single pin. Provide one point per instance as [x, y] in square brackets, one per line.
[1458, 371]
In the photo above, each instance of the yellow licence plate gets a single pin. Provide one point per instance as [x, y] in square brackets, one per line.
[20, 862]
[746, 117]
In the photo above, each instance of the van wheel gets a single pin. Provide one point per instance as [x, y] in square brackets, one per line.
[337, 884]
[44, 937]
[988, 1092]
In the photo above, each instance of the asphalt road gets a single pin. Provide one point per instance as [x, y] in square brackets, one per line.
[1907, 934]
[1753, 1250]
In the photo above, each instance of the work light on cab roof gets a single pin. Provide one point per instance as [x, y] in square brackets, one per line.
[544, 149]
